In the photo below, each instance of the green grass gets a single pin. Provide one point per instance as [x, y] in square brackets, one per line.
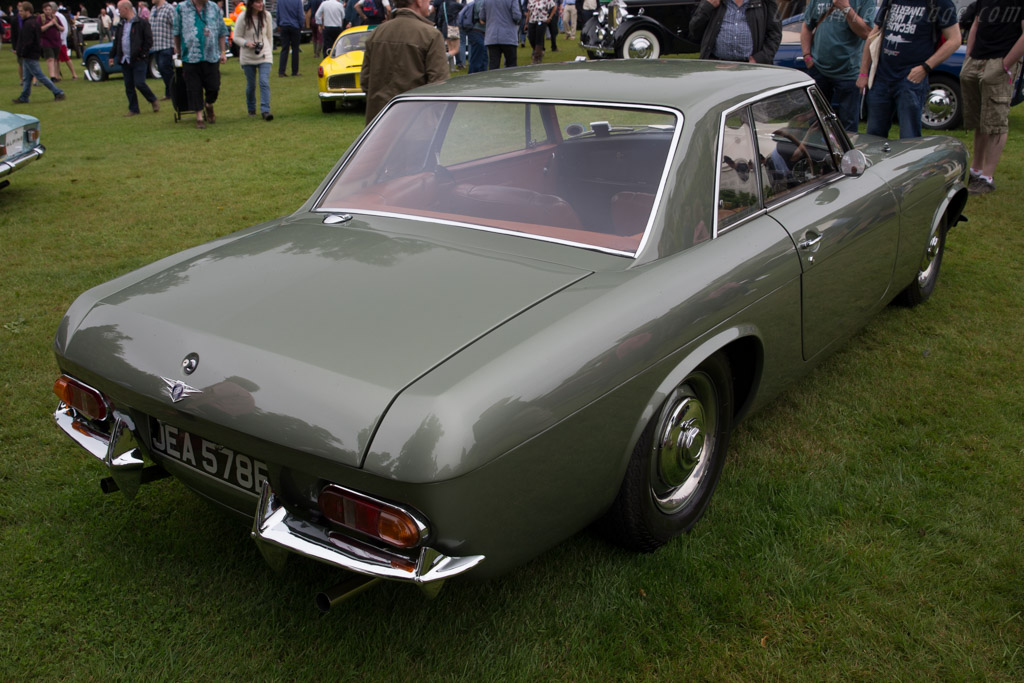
[868, 525]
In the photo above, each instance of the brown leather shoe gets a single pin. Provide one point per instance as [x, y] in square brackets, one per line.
[200, 124]
[156, 106]
[131, 113]
[209, 113]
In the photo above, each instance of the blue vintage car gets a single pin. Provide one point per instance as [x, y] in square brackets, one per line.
[96, 60]
[944, 109]
[19, 143]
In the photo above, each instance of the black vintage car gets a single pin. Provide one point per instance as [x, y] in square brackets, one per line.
[647, 29]
[640, 29]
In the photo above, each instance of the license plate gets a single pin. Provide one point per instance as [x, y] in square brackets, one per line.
[14, 140]
[206, 457]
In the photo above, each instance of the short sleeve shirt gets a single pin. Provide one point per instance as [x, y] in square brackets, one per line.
[836, 48]
[201, 33]
[999, 27]
[909, 34]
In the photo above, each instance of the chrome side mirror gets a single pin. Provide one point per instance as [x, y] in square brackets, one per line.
[853, 163]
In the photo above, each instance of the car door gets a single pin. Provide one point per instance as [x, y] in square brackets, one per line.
[845, 228]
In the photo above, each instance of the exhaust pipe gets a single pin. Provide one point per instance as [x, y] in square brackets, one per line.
[151, 473]
[344, 589]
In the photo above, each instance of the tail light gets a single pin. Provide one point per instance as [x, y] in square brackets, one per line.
[32, 135]
[320, 72]
[81, 397]
[380, 520]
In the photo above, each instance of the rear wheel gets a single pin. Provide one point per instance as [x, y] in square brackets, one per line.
[640, 44]
[677, 462]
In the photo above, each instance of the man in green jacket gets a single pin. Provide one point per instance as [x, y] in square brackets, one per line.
[401, 54]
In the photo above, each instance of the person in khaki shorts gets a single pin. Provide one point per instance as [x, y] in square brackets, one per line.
[995, 46]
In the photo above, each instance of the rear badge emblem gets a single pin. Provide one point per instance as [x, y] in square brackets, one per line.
[178, 389]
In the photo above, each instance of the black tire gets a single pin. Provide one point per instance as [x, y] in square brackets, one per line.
[640, 44]
[677, 462]
[327, 106]
[95, 69]
[923, 284]
[943, 109]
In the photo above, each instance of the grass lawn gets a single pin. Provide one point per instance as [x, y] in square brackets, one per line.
[868, 525]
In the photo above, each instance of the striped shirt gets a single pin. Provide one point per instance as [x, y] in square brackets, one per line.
[162, 20]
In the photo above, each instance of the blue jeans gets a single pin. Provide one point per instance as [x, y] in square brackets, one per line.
[901, 97]
[477, 52]
[291, 36]
[460, 58]
[165, 64]
[135, 79]
[251, 70]
[29, 70]
[844, 96]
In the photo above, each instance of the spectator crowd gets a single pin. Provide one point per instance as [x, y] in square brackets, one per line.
[855, 50]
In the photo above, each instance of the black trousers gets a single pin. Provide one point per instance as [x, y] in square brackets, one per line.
[495, 52]
[290, 38]
[331, 34]
[201, 78]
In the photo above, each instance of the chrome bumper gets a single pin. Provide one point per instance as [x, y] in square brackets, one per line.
[600, 49]
[117, 450]
[11, 165]
[360, 95]
[277, 533]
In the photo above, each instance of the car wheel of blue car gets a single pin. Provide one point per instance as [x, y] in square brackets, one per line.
[677, 462]
[94, 69]
[918, 291]
[942, 110]
[640, 44]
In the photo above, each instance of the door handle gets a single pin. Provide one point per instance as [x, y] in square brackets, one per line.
[810, 241]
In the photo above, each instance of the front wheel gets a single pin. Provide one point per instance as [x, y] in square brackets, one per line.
[676, 464]
[640, 44]
[918, 291]
[95, 70]
[327, 106]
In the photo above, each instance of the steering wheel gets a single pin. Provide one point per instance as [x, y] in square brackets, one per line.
[801, 151]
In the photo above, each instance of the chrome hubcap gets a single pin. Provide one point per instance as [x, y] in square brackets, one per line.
[928, 262]
[640, 48]
[939, 107]
[683, 443]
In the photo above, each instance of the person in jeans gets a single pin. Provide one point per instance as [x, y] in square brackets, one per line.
[161, 21]
[832, 37]
[916, 37]
[29, 50]
[133, 39]
[290, 18]
[995, 45]
[254, 35]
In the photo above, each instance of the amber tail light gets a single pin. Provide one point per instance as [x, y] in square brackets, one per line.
[377, 519]
[82, 398]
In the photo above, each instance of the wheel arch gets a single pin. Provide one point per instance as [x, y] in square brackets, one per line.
[638, 22]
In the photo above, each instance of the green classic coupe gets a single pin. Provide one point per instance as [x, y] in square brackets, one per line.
[523, 302]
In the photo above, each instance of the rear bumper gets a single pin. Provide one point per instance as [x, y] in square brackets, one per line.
[277, 532]
[9, 166]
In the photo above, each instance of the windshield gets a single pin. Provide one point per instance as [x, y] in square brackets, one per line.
[588, 175]
[350, 42]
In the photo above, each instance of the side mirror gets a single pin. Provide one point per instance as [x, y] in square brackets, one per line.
[854, 163]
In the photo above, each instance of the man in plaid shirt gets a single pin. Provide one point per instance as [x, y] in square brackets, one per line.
[161, 18]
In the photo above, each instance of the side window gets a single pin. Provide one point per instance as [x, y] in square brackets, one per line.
[792, 142]
[833, 128]
[737, 175]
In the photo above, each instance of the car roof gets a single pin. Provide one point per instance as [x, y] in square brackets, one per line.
[689, 85]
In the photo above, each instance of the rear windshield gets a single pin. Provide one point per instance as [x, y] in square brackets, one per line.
[588, 175]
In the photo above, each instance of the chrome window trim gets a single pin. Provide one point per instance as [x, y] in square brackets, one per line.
[659, 195]
[721, 145]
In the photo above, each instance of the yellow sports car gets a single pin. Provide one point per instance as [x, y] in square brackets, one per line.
[338, 75]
